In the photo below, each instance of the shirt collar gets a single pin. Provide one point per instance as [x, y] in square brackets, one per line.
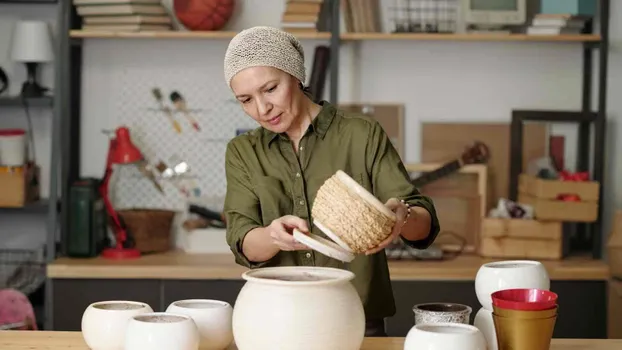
[319, 125]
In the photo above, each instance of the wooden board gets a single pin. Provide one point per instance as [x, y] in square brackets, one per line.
[459, 202]
[441, 142]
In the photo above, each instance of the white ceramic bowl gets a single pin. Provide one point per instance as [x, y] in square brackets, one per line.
[484, 322]
[444, 336]
[495, 276]
[104, 322]
[161, 331]
[298, 307]
[213, 319]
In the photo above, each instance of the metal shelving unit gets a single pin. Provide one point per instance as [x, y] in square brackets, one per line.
[68, 99]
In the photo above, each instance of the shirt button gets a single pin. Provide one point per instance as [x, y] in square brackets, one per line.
[301, 202]
[308, 255]
[297, 174]
[301, 148]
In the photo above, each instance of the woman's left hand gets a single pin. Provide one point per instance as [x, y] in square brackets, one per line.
[401, 211]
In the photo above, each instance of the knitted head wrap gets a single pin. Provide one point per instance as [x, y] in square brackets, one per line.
[264, 46]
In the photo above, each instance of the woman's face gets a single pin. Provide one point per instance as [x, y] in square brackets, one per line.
[269, 95]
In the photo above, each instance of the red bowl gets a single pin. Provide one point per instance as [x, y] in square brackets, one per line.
[524, 299]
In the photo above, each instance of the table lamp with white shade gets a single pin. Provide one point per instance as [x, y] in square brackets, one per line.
[31, 45]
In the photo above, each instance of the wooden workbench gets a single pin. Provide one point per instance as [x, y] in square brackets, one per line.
[163, 278]
[178, 265]
[28, 340]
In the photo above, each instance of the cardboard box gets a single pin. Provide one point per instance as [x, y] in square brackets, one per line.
[19, 186]
[614, 309]
[521, 238]
[542, 195]
[614, 246]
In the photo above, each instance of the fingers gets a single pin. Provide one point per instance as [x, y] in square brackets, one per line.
[282, 238]
[392, 203]
[383, 244]
[292, 221]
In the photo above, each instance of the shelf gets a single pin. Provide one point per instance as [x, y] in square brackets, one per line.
[17, 101]
[469, 37]
[176, 35]
[40, 206]
[346, 36]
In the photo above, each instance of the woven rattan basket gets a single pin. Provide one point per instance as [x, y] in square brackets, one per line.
[351, 216]
[150, 228]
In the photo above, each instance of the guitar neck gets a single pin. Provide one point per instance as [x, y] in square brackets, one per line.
[434, 175]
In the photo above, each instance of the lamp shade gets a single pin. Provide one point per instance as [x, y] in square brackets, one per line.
[125, 152]
[31, 42]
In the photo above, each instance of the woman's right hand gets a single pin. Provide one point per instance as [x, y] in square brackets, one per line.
[281, 232]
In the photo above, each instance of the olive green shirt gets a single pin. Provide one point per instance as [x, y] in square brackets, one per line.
[266, 179]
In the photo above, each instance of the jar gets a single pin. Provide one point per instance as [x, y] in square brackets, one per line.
[12, 147]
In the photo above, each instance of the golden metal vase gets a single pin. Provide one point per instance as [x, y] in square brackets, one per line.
[524, 333]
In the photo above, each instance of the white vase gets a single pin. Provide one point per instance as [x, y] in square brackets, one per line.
[495, 276]
[296, 307]
[213, 320]
[104, 323]
[444, 336]
[484, 322]
[161, 331]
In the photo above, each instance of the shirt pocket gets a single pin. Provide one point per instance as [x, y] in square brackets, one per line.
[274, 200]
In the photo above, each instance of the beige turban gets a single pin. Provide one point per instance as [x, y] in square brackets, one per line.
[264, 46]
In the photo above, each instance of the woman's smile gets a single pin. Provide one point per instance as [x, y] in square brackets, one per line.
[276, 120]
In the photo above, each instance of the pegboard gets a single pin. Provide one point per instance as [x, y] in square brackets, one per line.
[209, 101]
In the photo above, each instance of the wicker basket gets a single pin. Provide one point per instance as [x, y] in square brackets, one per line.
[150, 228]
[350, 215]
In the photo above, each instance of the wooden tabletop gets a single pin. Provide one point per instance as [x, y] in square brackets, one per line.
[179, 265]
[40, 340]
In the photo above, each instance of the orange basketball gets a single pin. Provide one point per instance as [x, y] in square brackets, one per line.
[203, 15]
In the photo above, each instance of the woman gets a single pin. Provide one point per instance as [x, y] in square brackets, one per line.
[274, 172]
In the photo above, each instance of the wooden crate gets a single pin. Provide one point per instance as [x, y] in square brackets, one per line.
[521, 238]
[19, 186]
[542, 195]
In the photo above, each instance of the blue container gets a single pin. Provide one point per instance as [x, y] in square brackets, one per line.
[572, 7]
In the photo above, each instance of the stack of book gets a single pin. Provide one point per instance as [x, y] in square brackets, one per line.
[123, 15]
[362, 16]
[306, 16]
[556, 24]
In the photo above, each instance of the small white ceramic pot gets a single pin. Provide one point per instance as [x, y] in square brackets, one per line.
[298, 307]
[444, 336]
[495, 276]
[484, 322]
[212, 318]
[104, 322]
[161, 331]
[441, 313]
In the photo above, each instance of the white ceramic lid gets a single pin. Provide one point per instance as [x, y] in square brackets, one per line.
[323, 246]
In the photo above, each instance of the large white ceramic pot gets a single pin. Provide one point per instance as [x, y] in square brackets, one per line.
[104, 323]
[444, 336]
[298, 307]
[495, 276]
[213, 319]
[161, 331]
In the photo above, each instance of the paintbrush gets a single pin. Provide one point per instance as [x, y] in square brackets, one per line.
[158, 96]
[180, 104]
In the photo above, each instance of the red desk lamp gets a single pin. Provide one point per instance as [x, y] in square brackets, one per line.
[121, 151]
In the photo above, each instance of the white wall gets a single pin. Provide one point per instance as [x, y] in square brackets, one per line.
[438, 81]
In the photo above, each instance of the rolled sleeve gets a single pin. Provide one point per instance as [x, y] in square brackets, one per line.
[390, 179]
[241, 208]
